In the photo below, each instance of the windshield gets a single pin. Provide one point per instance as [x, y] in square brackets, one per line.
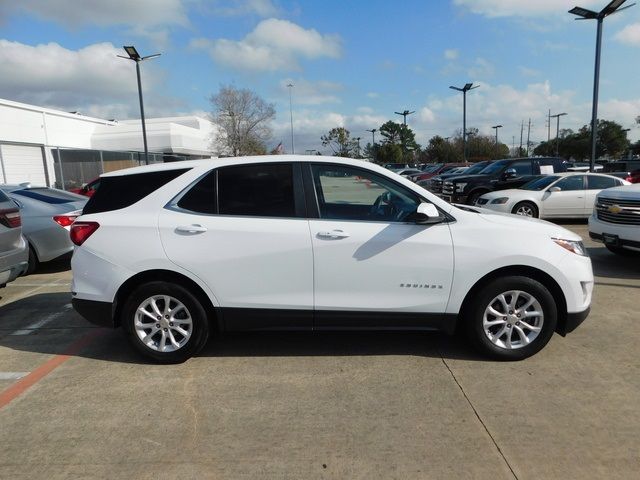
[494, 167]
[475, 169]
[540, 183]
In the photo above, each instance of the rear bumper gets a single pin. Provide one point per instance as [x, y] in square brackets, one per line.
[12, 273]
[98, 313]
[573, 321]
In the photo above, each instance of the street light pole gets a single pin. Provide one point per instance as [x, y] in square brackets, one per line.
[135, 56]
[464, 90]
[358, 151]
[496, 127]
[557, 117]
[404, 122]
[290, 86]
[373, 142]
[586, 14]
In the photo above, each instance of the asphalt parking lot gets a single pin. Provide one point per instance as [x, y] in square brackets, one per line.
[77, 402]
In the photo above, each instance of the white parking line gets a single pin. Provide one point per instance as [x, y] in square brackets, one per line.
[12, 375]
[38, 284]
[42, 322]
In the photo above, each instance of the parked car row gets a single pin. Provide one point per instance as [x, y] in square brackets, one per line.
[35, 224]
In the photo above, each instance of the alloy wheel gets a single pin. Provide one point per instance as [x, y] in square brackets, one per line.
[513, 319]
[163, 323]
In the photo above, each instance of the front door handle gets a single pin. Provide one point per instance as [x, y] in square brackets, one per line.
[191, 229]
[335, 234]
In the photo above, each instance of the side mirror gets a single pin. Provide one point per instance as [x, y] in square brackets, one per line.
[555, 189]
[427, 214]
[510, 173]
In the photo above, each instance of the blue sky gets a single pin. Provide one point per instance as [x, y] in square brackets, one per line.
[353, 63]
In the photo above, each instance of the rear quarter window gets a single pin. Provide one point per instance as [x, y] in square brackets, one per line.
[125, 190]
[49, 195]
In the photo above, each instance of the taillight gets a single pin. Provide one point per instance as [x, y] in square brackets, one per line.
[64, 220]
[10, 217]
[80, 231]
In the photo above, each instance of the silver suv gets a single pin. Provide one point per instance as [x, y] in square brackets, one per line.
[14, 253]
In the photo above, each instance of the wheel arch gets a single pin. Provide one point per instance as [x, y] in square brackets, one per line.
[527, 271]
[480, 190]
[167, 276]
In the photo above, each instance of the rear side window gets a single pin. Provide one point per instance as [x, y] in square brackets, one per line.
[522, 167]
[599, 183]
[3, 197]
[264, 190]
[201, 198]
[125, 190]
[49, 195]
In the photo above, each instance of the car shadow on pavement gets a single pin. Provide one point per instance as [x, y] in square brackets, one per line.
[66, 328]
[610, 265]
[58, 265]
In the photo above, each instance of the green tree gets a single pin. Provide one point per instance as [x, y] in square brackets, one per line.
[441, 150]
[389, 153]
[399, 134]
[340, 141]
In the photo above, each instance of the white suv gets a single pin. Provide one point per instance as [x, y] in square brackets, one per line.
[616, 220]
[172, 252]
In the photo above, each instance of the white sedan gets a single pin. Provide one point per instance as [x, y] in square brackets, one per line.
[568, 195]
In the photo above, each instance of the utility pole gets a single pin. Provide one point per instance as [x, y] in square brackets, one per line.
[464, 90]
[290, 86]
[528, 136]
[557, 117]
[496, 127]
[404, 121]
[513, 143]
[521, 130]
[373, 143]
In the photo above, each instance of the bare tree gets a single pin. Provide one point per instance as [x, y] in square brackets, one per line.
[243, 120]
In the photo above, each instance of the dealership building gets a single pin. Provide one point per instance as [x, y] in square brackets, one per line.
[66, 149]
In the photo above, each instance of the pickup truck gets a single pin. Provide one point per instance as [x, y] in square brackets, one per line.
[499, 175]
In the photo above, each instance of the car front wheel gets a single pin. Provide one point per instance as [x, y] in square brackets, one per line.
[511, 318]
[165, 322]
[525, 209]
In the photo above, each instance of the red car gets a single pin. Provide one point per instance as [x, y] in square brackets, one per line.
[634, 177]
[89, 189]
[440, 170]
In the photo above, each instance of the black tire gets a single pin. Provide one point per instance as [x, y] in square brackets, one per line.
[475, 312]
[526, 205]
[624, 252]
[473, 197]
[199, 328]
[33, 261]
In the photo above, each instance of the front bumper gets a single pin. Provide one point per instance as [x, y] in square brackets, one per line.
[98, 313]
[616, 235]
[573, 321]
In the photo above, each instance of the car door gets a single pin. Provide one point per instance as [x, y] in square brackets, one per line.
[368, 256]
[595, 184]
[568, 202]
[523, 173]
[242, 230]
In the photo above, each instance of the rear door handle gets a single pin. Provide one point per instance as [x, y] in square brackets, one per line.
[335, 234]
[191, 229]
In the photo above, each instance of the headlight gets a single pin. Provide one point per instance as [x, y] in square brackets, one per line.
[500, 201]
[460, 187]
[572, 245]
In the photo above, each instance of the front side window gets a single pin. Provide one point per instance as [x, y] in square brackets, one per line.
[597, 182]
[574, 182]
[346, 193]
[264, 190]
[522, 167]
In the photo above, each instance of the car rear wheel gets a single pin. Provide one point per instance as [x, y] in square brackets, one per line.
[33, 261]
[511, 318]
[525, 209]
[165, 322]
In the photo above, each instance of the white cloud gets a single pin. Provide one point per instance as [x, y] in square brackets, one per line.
[306, 92]
[426, 115]
[100, 12]
[630, 35]
[373, 95]
[519, 8]
[92, 79]
[451, 54]
[528, 72]
[273, 45]
[262, 8]
[481, 69]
